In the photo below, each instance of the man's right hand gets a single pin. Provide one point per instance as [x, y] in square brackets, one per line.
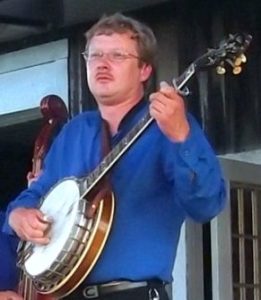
[30, 225]
[9, 295]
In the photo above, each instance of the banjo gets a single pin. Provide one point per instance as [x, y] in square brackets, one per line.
[82, 213]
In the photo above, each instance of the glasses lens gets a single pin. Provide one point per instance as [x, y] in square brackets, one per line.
[114, 56]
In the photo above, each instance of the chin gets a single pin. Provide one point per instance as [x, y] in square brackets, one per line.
[103, 95]
[102, 91]
[104, 98]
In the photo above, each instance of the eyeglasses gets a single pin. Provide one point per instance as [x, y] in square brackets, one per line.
[116, 55]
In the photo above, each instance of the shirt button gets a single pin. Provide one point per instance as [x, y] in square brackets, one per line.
[186, 152]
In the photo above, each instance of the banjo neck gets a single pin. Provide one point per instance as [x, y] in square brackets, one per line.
[230, 52]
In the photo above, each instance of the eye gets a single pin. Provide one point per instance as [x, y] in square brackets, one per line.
[94, 55]
[117, 55]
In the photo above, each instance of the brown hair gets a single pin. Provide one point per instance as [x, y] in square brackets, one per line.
[118, 23]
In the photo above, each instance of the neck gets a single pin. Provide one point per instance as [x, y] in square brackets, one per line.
[113, 114]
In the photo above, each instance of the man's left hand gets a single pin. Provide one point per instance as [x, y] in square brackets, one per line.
[168, 109]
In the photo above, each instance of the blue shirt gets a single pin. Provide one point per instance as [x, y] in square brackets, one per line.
[157, 184]
[8, 269]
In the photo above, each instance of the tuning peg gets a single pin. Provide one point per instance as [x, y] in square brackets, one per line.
[220, 70]
[243, 58]
[239, 60]
[237, 70]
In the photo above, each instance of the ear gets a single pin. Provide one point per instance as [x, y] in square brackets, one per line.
[145, 72]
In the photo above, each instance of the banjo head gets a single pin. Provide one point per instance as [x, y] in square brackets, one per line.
[61, 206]
[76, 241]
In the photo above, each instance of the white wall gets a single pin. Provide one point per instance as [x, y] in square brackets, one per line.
[27, 75]
[188, 270]
[179, 287]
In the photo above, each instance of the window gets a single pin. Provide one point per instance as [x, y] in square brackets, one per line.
[246, 245]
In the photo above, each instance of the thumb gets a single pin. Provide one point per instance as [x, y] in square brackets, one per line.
[166, 89]
[164, 85]
[43, 217]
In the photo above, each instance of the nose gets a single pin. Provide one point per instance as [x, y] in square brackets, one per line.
[102, 63]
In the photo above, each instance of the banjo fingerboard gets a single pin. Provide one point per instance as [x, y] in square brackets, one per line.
[113, 156]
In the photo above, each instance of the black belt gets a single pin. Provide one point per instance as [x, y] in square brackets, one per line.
[95, 291]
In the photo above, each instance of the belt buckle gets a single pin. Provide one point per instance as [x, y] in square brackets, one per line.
[91, 292]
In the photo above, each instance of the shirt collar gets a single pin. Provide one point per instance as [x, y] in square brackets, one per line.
[129, 120]
[130, 117]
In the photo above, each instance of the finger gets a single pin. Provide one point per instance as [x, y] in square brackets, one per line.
[34, 237]
[161, 98]
[33, 227]
[37, 237]
[39, 214]
[42, 217]
[158, 105]
[47, 219]
[36, 234]
[29, 175]
[166, 89]
[10, 295]
[166, 95]
[36, 225]
[41, 241]
[169, 91]
[31, 232]
[157, 114]
[164, 85]
[38, 173]
[22, 220]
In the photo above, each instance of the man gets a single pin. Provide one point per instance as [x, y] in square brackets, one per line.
[170, 173]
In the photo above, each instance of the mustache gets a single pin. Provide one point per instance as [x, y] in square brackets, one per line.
[103, 75]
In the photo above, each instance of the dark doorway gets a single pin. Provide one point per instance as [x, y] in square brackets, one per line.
[16, 150]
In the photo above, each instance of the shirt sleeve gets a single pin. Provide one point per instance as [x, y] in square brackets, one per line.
[195, 174]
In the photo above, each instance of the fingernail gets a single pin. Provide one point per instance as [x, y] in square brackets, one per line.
[163, 84]
[47, 219]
